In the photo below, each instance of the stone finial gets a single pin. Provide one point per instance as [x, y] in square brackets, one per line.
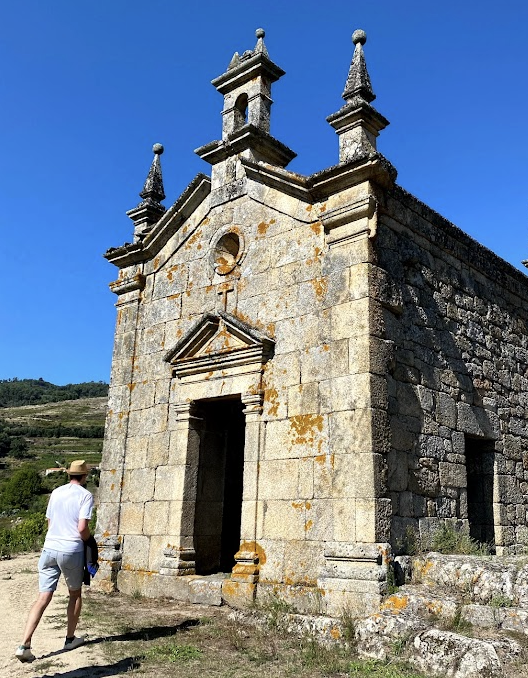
[260, 47]
[358, 81]
[357, 122]
[153, 189]
[150, 209]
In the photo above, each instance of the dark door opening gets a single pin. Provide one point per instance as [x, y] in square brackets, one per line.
[219, 485]
[480, 465]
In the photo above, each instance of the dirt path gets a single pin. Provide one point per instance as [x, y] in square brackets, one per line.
[18, 590]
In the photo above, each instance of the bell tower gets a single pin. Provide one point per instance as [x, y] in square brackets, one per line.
[246, 88]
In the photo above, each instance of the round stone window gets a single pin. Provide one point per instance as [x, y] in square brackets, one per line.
[226, 252]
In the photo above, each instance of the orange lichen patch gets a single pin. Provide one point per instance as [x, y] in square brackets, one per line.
[309, 208]
[119, 316]
[304, 427]
[194, 237]
[302, 505]
[113, 470]
[422, 570]
[316, 228]
[309, 525]
[112, 487]
[156, 262]
[395, 604]
[172, 270]
[335, 633]
[256, 548]
[205, 221]
[323, 207]
[271, 396]
[131, 387]
[434, 607]
[262, 228]
[320, 459]
[320, 286]
[121, 415]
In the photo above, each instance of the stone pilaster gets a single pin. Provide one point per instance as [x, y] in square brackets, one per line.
[240, 590]
[179, 556]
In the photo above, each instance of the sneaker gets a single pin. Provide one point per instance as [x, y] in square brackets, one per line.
[76, 642]
[24, 654]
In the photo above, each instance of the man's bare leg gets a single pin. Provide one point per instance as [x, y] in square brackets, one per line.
[35, 615]
[74, 611]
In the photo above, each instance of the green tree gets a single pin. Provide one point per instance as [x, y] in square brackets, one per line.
[5, 443]
[19, 447]
[22, 488]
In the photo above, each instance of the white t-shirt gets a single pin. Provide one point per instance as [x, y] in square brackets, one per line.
[67, 505]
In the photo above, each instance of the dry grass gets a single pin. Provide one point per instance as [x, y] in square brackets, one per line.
[149, 639]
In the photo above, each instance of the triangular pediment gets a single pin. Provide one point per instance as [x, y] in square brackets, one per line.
[219, 341]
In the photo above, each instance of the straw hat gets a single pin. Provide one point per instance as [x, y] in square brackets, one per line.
[78, 468]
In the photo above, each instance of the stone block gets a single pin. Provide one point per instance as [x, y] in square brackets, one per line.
[398, 471]
[302, 560]
[306, 478]
[136, 452]
[349, 597]
[156, 518]
[373, 518]
[135, 552]
[153, 585]
[319, 520]
[108, 518]
[444, 653]
[238, 594]
[357, 475]
[303, 399]
[181, 518]
[138, 485]
[452, 475]
[278, 479]
[158, 449]
[345, 516]
[206, 590]
[131, 518]
[284, 519]
[474, 421]
[350, 319]
[446, 410]
[171, 481]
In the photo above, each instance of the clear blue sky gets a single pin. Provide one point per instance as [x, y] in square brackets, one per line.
[88, 87]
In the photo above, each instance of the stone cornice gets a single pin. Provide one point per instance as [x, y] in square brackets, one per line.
[374, 167]
[171, 221]
[258, 64]
[281, 179]
[247, 137]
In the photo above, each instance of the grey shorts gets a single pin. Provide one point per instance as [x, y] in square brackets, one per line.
[53, 563]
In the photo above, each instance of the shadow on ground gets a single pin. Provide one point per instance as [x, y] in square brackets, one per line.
[123, 665]
[119, 668]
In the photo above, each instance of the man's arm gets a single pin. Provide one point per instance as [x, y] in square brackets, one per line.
[83, 528]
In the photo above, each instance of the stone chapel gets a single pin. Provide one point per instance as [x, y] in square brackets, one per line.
[306, 371]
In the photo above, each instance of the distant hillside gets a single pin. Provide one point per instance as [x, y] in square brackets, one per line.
[18, 392]
[51, 433]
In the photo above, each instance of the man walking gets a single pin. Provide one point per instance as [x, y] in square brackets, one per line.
[68, 513]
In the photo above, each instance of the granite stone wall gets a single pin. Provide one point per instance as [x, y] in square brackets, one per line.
[458, 382]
